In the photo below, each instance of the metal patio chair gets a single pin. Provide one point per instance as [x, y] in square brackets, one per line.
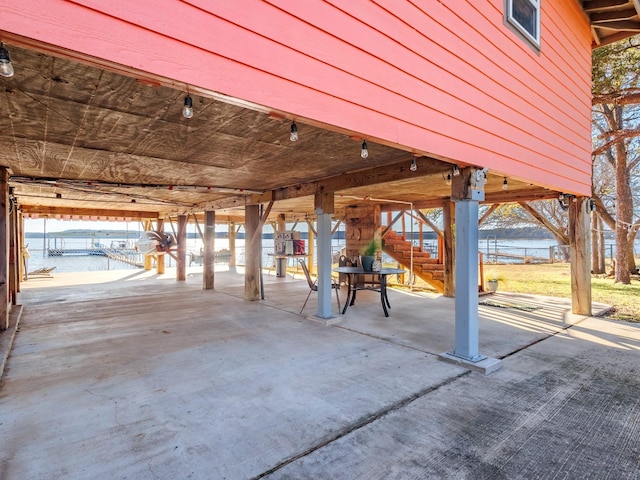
[313, 284]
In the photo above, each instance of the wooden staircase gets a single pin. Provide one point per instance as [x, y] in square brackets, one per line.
[424, 267]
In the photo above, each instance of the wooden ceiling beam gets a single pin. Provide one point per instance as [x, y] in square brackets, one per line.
[599, 5]
[359, 178]
[511, 196]
[626, 14]
[87, 212]
[527, 195]
[623, 25]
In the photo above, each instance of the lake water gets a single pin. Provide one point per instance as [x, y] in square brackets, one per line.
[87, 263]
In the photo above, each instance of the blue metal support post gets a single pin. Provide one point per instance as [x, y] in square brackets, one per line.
[467, 191]
[323, 204]
[466, 341]
[324, 266]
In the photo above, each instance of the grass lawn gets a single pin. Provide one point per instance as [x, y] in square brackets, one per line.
[554, 280]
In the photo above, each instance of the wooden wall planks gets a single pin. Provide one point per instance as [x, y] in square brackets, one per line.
[449, 80]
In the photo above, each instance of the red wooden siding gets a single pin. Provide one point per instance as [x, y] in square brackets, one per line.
[441, 76]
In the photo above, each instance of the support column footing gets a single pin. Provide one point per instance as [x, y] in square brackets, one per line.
[324, 321]
[485, 365]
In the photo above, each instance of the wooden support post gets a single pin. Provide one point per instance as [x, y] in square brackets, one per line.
[252, 252]
[281, 263]
[448, 214]
[311, 249]
[209, 250]
[4, 248]
[160, 258]
[181, 267]
[148, 259]
[23, 250]
[232, 247]
[14, 251]
[580, 255]
[195, 220]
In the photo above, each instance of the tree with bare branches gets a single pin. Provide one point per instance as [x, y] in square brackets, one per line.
[616, 144]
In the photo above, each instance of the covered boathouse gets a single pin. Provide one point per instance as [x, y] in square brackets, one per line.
[249, 112]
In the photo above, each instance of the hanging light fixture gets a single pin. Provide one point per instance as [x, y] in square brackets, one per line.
[414, 165]
[294, 132]
[505, 184]
[6, 69]
[456, 171]
[187, 111]
[364, 153]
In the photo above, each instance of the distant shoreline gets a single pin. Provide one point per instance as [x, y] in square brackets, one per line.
[499, 234]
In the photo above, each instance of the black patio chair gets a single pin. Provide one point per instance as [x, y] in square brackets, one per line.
[313, 284]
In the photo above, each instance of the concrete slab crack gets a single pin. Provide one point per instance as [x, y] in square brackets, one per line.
[363, 422]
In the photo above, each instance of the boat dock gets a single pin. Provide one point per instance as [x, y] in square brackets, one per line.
[128, 256]
[494, 257]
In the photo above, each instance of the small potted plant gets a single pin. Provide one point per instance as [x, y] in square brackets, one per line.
[493, 280]
[368, 254]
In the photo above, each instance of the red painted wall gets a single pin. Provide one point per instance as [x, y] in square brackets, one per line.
[440, 76]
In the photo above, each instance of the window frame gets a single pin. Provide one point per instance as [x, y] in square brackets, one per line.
[518, 28]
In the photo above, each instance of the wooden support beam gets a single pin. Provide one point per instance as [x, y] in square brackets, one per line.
[23, 252]
[312, 227]
[209, 249]
[232, 246]
[591, 6]
[252, 229]
[486, 214]
[281, 263]
[181, 268]
[544, 221]
[173, 229]
[524, 195]
[335, 227]
[160, 258]
[580, 255]
[323, 203]
[261, 222]
[148, 259]
[311, 248]
[391, 223]
[86, 212]
[448, 214]
[195, 219]
[14, 252]
[357, 178]
[4, 248]
[428, 222]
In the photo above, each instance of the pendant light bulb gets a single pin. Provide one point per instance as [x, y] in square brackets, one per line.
[294, 132]
[364, 153]
[187, 111]
[6, 69]
[448, 179]
[456, 171]
[505, 184]
[414, 165]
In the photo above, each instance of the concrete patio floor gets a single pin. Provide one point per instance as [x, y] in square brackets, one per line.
[125, 374]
